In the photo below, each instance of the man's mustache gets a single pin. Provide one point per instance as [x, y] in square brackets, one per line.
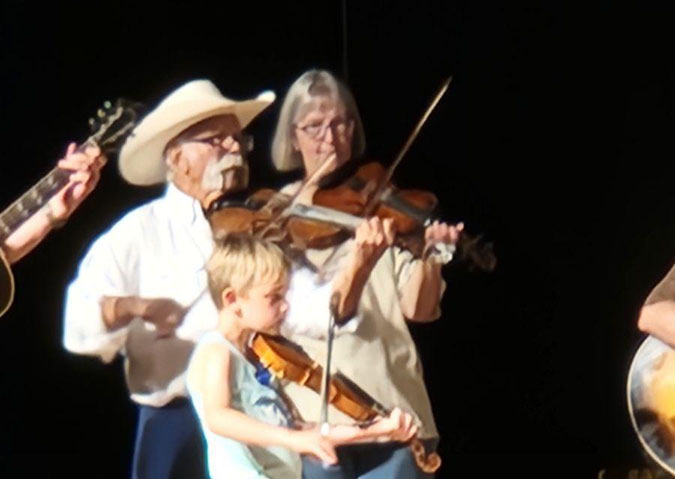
[230, 160]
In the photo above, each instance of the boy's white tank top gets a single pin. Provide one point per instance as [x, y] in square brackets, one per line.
[229, 459]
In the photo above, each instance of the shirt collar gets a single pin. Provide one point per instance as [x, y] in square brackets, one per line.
[183, 205]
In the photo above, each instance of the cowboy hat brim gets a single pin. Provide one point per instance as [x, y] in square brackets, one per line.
[141, 161]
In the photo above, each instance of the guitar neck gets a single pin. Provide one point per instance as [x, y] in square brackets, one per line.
[112, 124]
[31, 201]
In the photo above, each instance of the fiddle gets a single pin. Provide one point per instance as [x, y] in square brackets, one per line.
[245, 213]
[410, 211]
[288, 361]
[336, 214]
[337, 211]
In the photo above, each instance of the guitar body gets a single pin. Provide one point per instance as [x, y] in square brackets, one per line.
[6, 285]
[651, 400]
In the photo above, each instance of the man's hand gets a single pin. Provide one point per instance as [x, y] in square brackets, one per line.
[165, 313]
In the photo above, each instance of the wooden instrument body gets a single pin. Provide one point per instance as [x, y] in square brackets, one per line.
[288, 361]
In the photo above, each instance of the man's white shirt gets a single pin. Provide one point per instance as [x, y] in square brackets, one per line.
[159, 251]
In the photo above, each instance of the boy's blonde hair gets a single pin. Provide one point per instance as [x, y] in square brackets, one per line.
[241, 262]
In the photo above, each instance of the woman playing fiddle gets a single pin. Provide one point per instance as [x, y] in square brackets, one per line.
[319, 128]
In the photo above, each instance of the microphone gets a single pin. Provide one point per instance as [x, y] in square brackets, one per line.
[325, 380]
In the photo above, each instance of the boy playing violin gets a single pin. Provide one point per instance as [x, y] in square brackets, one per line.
[249, 429]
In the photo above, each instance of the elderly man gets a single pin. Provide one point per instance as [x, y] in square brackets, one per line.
[140, 290]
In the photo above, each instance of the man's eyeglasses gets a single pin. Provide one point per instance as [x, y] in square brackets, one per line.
[245, 141]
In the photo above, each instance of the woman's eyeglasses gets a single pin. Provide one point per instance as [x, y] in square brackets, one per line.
[339, 126]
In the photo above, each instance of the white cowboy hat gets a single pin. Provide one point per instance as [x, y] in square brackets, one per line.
[141, 161]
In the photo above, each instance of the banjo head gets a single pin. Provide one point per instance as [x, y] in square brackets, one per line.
[651, 400]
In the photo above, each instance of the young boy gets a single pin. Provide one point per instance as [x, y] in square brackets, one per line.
[247, 425]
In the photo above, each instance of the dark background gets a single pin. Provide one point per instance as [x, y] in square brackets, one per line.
[556, 140]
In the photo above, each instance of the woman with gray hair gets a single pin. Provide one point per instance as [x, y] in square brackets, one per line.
[317, 91]
[319, 129]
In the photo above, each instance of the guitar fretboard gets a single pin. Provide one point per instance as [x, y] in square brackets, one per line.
[114, 123]
[31, 201]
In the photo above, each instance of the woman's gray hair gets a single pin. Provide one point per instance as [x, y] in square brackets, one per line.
[310, 85]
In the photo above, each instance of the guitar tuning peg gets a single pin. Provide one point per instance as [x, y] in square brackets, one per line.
[107, 105]
[100, 113]
[92, 123]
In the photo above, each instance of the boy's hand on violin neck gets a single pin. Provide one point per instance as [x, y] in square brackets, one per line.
[398, 426]
[310, 441]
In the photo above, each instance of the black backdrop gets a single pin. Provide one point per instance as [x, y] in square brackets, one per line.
[556, 140]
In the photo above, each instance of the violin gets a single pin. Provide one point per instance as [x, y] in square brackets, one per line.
[243, 213]
[410, 211]
[288, 361]
[337, 212]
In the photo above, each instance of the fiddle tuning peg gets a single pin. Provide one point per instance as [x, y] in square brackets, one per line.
[107, 105]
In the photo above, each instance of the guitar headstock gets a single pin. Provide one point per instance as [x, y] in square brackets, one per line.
[113, 122]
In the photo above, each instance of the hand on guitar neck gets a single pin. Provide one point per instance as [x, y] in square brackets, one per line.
[51, 201]
[85, 165]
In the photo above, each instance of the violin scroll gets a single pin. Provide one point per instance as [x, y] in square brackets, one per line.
[428, 462]
[478, 254]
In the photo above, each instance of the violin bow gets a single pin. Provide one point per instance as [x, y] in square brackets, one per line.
[375, 199]
[292, 200]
